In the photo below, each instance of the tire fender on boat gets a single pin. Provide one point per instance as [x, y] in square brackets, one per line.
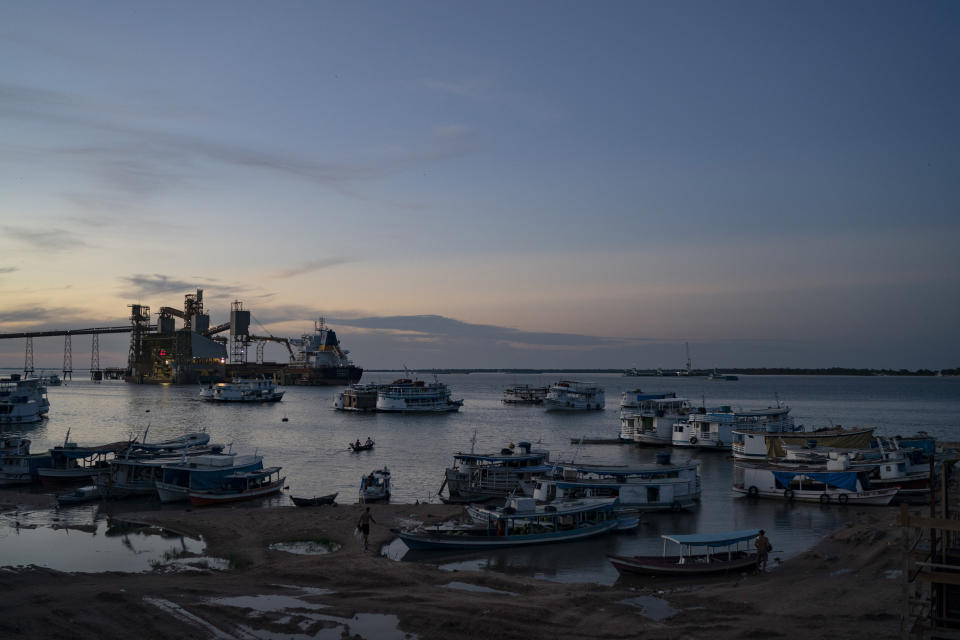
[824, 498]
[788, 494]
[843, 498]
[753, 492]
[693, 439]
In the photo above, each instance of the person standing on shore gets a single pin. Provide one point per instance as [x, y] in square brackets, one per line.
[762, 543]
[363, 524]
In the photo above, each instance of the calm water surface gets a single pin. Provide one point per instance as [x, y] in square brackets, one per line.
[312, 445]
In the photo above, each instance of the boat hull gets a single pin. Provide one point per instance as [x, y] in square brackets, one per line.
[876, 497]
[452, 540]
[206, 498]
[314, 502]
[691, 565]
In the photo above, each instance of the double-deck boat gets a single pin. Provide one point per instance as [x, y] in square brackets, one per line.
[242, 390]
[476, 477]
[407, 396]
[22, 401]
[633, 401]
[375, 486]
[201, 473]
[713, 428]
[663, 486]
[570, 395]
[357, 397]
[718, 553]
[240, 485]
[758, 444]
[524, 394]
[834, 483]
[522, 522]
[651, 421]
[14, 443]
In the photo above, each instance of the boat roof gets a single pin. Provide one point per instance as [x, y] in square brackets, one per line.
[718, 539]
[266, 471]
[556, 508]
[499, 457]
[636, 470]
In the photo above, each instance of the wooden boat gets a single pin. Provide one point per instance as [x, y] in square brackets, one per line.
[724, 551]
[72, 463]
[836, 483]
[243, 485]
[357, 448]
[314, 502]
[476, 477]
[375, 486]
[522, 523]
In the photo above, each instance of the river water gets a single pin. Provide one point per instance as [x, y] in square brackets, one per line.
[311, 445]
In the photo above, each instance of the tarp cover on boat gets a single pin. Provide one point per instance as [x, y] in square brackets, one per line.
[840, 480]
[840, 439]
[720, 539]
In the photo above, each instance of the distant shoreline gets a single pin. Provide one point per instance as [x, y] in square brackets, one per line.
[698, 373]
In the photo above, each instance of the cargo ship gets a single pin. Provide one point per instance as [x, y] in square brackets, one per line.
[318, 360]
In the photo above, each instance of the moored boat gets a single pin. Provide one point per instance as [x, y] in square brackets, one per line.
[651, 421]
[476, 477]
[357, 397]
[406, 395]
[242, 390]
[570, 395]
[375, 486]
[315, 501]
[22, 401]
[524, 394]
[204, 472]
[714, 428]
[72, 463]
[720, 552]
[79, 495]
[751, 443]
[242, 485]
[835, 483]
[522, 523]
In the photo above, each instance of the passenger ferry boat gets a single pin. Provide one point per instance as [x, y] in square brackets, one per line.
[633, 401]
[524, 394]
[663, 486]
[835, 483]
[759, 444]
[652, 421]
[570, 395]
[713, 428]
[22, 401]
[481, 476]
[201, 473]
[407, 395]
[242, 390]
[521, 523]
[357, 397]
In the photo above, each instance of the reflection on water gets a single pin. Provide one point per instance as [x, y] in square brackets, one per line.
[92, 544]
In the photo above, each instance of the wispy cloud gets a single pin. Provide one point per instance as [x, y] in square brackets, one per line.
[308, 267]
[47, 239]
[8, 269]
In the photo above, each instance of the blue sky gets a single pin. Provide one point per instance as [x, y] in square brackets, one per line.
[775, 183]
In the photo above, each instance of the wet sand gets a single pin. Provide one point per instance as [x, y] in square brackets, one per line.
[846, 586]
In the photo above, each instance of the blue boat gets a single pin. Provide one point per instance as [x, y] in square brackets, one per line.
[522, 523]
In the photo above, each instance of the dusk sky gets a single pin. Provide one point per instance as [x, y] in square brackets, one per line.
[491, 184]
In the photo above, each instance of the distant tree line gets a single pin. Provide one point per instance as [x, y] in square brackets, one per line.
[755, 371]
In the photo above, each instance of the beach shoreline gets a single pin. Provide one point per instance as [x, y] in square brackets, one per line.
[847, 585]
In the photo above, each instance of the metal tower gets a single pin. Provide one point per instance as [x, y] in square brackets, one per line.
[67, 358]
[28, 359]
[96, 374]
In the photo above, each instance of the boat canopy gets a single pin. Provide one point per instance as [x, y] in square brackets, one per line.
[720, 539]
[838, 479]
[645, 471]
[492, 457]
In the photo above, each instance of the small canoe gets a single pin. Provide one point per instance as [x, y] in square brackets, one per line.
[314, 502]
[362, 447]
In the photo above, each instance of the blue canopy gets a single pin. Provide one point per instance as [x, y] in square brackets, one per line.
[839, 479]
[720, 539]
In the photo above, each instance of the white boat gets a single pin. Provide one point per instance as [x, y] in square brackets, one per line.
[651, 423]
[481, 476]
[22, 468]
[663, 486]
[14, 443]
[407, 395]
[241, 485]
[79, 495]
[524, 394]
[522, 523]
[22, 401]
[375, 486]
[242, 390]
[570, 395]
[769, 442]
[635, 400]
[713, 428]
[357, 397]
[833, 484]
[201, 473]
[173, 445]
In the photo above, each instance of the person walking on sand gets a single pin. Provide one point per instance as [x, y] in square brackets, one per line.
[364, 525]
[762, 543]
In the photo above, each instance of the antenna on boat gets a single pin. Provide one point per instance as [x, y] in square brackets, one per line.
[777, 396]
[67, 437]
[145, 431]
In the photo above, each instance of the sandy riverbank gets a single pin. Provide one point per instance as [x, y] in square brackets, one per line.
[846, 586]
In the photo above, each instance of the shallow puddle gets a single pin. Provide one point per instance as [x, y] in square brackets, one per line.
[306, 547]
[84, 543]
[651, 607]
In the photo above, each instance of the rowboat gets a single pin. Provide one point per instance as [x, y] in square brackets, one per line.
[724, 551]
[522, 523]
[314, 502]
[357, 448]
